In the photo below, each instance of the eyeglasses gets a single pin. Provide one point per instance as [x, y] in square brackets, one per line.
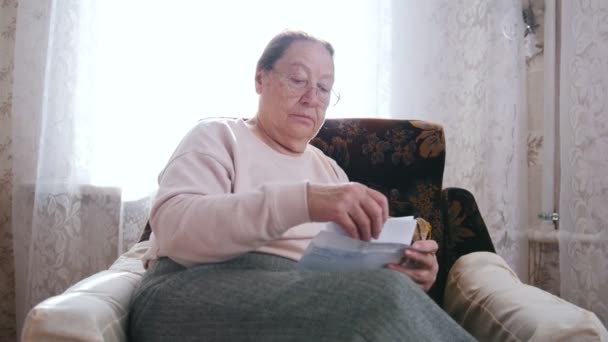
[299, 86]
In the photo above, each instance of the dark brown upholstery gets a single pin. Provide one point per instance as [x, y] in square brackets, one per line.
[404, 159]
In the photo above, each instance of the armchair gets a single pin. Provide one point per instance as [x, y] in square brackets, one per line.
[404, 159]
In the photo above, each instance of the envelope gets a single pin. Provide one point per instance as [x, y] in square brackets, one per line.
[333, 250]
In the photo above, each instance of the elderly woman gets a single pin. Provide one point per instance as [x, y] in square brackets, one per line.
[237, 205]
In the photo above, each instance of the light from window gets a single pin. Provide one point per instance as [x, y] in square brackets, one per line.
[161, 66]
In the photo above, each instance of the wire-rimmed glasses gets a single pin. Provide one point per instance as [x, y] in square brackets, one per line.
[299, 86]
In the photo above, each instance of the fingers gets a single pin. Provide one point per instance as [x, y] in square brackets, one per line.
[366, 210]
[420, 263]
[377, 209]
[345, 221]
[425, 246]
[381, 201]
[422, 254]
[375, 213]
[423, 277]
[363, 221]
[420, 258]
[361, 211]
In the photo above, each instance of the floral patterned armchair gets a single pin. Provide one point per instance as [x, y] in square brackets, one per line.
[404, 159]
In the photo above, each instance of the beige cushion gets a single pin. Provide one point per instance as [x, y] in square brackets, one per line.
[487, 298]
[95, 309]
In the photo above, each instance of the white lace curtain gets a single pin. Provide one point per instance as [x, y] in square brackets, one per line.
[583, 158]
[104, 90]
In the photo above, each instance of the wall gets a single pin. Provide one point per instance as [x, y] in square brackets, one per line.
[8, 13]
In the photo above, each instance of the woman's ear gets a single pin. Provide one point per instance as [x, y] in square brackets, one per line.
[259, 75]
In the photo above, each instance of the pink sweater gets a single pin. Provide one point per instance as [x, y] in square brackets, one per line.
[225, 192]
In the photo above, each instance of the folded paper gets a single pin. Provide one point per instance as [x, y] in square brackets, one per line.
[333, 250]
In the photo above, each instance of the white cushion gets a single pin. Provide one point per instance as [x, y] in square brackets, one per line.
[487, 298]
[95, 309]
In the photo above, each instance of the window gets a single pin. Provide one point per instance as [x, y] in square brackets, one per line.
[161, 66]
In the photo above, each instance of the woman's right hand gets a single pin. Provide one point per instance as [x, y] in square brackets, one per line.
[360, 210]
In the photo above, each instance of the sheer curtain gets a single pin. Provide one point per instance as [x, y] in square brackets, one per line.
[583, 157]
[104, 90]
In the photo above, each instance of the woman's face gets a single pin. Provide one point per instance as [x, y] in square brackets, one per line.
[294, 95]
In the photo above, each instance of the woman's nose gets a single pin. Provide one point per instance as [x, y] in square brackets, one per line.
[311, 97]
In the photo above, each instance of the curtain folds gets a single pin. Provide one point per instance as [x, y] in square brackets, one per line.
[64, 229]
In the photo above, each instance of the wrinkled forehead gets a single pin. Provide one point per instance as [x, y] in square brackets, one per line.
[309, 56]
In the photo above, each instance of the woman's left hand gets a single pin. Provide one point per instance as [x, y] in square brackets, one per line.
[419, 263]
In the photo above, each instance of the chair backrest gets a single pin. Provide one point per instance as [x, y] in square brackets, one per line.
[404, 159]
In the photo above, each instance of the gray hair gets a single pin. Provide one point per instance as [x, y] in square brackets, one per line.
[281, 42]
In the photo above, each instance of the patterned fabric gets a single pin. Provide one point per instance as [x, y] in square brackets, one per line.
[404, 159]
[57, 238]
[466, 231]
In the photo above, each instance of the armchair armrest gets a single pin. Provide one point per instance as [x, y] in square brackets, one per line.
[94, 309]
